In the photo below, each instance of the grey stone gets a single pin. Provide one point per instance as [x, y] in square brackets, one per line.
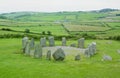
[92, 48]
[118, 51]
[51, 41]
[77, 57]
[59, 55]
[73, 45]
[27, 49]
[38, 51]
[43, 42]
[32, 43]
[24, 43]
[87, 53]
[81, 43]
[107, 58]
[48, 56]
[63, 41]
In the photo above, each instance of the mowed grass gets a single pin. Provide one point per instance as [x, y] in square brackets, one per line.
[85, 28]
[13, 64]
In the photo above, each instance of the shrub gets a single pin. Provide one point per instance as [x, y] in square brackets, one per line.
[43, 33]
[49, 33]
[27, 31]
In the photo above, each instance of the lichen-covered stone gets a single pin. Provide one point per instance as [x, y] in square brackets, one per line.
[73, 45]
[24, 43]
[107, 58]
[27, 49]
[81, 43]
[63, 41]
[43, 42]
[59, 55]
[48, 56]
[77, 57]
[51, 41]
[87, 53]
[38, 51]
[32, 43]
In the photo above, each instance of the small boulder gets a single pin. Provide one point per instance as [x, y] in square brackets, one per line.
[77, 57]
[59, 55]
[107, 58]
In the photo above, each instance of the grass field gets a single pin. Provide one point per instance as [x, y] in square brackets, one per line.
[85, 28]
[13, 64]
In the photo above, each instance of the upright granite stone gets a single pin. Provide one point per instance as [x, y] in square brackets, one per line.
[94, 47]
[77, 57]
[118, 51]
[24, 43]
[27, 49]
[32, 47]
[63, 41]
[48, 56]
[87, 53]
[43, 42]
[81, 43]
[90, 50]
[32, 43]
[59, 55]
[38, 51]
[51, 41]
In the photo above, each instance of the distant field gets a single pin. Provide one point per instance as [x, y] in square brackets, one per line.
[85, 28]
[35, 27]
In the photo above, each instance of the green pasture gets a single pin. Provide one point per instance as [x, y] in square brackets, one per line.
[85, 28]
[14, 64]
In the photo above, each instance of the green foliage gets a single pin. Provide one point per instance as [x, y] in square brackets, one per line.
[27, 31]
[3, 17]
[49, 32]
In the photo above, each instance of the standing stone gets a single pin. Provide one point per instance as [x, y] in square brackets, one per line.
[77, 57]
[24, 43]
[81, 43]
[107, 58]
[94, 47]
[38, 51]
[118, 51]
[63, 41]
[32, 47]
[51, 41]
[90, 50]
[48, 56]
[27, 49]
[32, 43]
[87, 53]
[73, 45]
[43, 42]
[59, 55]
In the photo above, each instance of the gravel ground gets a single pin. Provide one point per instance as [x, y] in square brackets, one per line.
[67, 49]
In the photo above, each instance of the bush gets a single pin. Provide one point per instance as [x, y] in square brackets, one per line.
[6, 29]
[27, 31]
[49, 33]
[43, 33]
